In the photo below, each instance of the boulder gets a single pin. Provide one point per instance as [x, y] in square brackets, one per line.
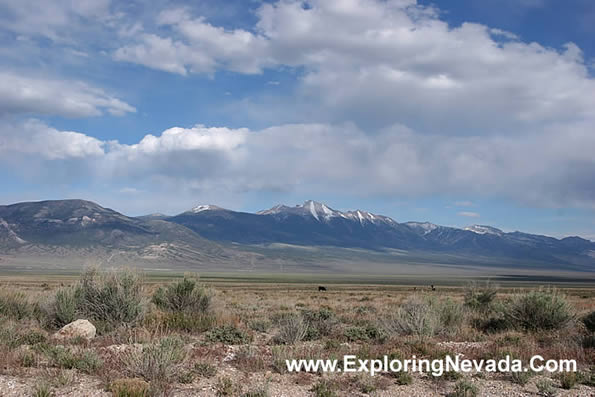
[77, 329]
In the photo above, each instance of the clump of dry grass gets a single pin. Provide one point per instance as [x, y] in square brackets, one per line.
[292, 329]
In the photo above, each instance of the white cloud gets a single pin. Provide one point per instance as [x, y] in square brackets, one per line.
[386, 62]
[464, 203]
[196, 47]
[54, 19]
[311, 158]
[22, 94]
[37, 139]
[468, 214]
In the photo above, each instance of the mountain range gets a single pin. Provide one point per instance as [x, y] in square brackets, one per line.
[212, 237]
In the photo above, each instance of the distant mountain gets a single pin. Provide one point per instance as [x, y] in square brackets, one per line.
[83, 226]
[309, 236]
[314, 223]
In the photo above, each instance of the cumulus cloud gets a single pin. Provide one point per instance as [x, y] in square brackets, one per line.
[22, 94]
[197, 47]
[335, 159]
[55, 19]
[381, 62]
[35, 138]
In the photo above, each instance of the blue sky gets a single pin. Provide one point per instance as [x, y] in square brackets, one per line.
[457, 112]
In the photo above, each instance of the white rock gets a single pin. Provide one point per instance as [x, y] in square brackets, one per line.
[77, 329]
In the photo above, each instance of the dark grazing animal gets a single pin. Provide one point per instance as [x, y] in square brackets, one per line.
[321, 288]
[433, 288]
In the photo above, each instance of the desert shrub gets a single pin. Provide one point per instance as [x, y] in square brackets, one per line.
[363, 333]
[279, 356]
[42, 389]
[320, 322]
[249, 359]
[226, 387]
[589, 321]
[260, 391]
[465, 388]
[293, 328]
[324, 388]
[260, 325]
[186, 377]
[185, 295]
[452, 316]
[539, 310]
[15, 305]
[156, 361]
[114, 297]
[228, 334]
[130, 387]
[66, 303]
[522, 377]
[546, 388]
[403, 378]
[188, 322]
[568, 380]
[480, 298]
[494, 323]
[205, 370]
[586, 378]
[28, 359]
[415, 317]
[108, 299]
[14, 334]
[82, 359]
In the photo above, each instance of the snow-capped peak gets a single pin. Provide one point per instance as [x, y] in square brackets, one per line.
[424, 227]
[204, 207]
[323, 213]
[483, 229]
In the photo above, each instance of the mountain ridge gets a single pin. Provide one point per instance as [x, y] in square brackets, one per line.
[209, 234]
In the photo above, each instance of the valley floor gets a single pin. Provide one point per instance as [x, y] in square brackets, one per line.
[253, 325]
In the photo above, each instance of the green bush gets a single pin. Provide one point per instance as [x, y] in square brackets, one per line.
[539, 310]
[568, 380]
[320, 322]
[66, 303]
[228, 334]
[108, 299]
[480, 298]
[415, 317]
[452, 316]
[15, 305]
[84, 360]
[185, 295]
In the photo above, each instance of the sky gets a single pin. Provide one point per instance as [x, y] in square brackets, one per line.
[456, 112]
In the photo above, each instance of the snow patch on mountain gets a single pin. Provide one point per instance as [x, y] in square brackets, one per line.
[423, 227]
[483, 229]
[204, 207]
